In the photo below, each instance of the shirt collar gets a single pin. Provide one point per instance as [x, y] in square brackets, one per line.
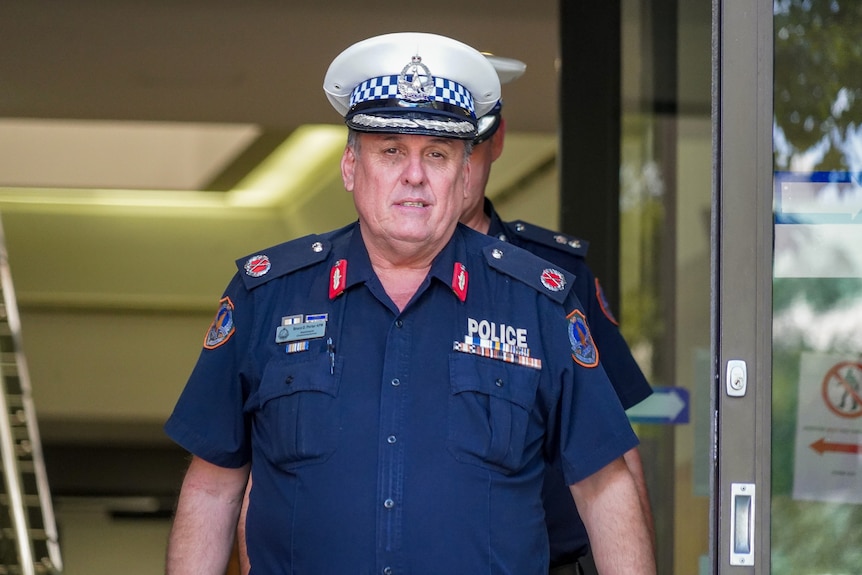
[454, 252]
[359, 268]
[497, 227]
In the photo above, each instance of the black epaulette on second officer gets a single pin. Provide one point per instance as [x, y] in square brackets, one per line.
[530, 269]
[262, 266]
[539, 235]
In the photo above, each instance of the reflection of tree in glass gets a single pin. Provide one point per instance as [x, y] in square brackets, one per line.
[809, 537]
[816, 537]
[818, 126]
[818, 94]
[822, 294]
[641, 209]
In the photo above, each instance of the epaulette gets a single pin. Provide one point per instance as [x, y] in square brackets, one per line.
[262, 266]
[550, 238]
[530, 269]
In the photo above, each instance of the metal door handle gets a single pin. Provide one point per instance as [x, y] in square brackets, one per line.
[742, 523]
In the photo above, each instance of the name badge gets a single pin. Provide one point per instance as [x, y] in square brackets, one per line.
[300, 331]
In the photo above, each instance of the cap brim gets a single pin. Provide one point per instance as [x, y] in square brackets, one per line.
[486, 127]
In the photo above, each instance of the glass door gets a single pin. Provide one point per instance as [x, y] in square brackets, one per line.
[788, 287]
[664, 263]
[817, 289]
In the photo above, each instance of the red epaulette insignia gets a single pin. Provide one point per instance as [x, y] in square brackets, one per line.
[459, 281]
[337, 278]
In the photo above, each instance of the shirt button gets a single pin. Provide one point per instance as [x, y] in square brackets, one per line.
[396, 382]
[398, 323]
[499, 383]
[391, 439]
[388, 504]
[387, 571]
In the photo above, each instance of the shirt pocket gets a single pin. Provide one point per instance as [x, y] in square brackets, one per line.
[298, 420]
[490, 406]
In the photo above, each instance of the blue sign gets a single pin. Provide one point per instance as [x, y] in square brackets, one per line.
[667, 405]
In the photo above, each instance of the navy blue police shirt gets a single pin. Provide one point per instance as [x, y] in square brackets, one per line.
[566, 531]
[399, 442]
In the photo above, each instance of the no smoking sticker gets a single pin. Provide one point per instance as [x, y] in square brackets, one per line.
[827, 455]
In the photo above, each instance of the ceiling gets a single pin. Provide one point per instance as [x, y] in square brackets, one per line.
[257, 62]
[146, 145]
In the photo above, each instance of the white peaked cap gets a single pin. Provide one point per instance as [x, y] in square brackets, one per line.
[412, 82]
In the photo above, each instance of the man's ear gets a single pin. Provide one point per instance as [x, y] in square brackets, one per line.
[468, 166]
[348, 167]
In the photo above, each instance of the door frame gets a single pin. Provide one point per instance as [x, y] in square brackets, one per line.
[742, 231]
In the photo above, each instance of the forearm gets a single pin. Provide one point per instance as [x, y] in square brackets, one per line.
[204, 525]
[633, 462]
[244, 564]
[619, 538]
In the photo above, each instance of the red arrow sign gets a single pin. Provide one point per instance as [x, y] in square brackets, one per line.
[821, 446]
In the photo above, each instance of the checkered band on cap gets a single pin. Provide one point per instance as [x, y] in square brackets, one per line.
[386, 87]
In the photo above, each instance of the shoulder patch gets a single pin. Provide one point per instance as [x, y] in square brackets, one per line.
[529, 269]
[222, 326]
[260, 267]
[584, 350]
[549, 238]
[604, 305]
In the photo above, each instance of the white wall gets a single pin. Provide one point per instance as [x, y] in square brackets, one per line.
[94, 544]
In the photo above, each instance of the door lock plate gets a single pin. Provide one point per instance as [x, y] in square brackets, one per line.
[737, 378]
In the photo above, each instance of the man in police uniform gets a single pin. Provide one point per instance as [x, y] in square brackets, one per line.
[566, 532]
[397, 386]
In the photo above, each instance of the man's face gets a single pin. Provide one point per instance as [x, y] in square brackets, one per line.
[483, 156]
[480, 168]
[408, 190]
